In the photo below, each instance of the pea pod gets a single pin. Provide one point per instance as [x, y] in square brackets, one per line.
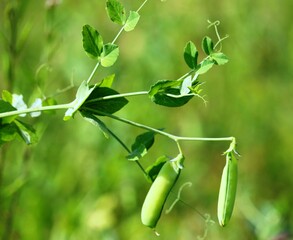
[158, 193]
[228, 188]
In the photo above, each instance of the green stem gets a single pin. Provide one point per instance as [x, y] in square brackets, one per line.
[131, 94]
[127, 149]
[204, 139]
[118, 34]
[36, 109]
[215, 24]
[141, 6]
[120, 142]
[93, 73]
[114, 40]
[169, 135]
[179, 148]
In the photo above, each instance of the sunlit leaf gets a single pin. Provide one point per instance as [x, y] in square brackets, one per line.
[7, 96]
[116, 11]
[132, 21]
[186, 85]
[219, 58]
[82, 94]
[92, 42]
[206, 65]
[109, 55]
[107, 81]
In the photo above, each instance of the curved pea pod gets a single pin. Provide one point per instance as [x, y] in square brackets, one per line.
[228, 189]
[158, 193]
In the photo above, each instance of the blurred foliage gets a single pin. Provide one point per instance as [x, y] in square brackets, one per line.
[75, 184]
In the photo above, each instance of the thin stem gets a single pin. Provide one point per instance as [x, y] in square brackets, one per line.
[186, 74]
[120, 142]
[179, 147]
[114, 40]
[204, 139]
[127, 149]
[169, 135]
[121, 30]
[118, 34]
[141, 6]
[220, 39]
[136, 124]
[131, 94]
[36, 109]
[93, 72]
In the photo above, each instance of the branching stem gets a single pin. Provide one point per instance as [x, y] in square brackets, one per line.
[175, 138]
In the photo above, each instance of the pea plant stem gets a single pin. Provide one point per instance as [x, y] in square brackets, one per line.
[169, 135]
[36, 109]
[122, 144]
[141, 6]
[93, 73]
[68, 105]
[131, 94]
[114, 40]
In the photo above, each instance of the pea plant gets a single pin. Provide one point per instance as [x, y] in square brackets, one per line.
[95, 101]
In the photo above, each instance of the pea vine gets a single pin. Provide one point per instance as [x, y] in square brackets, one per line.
[99, 100]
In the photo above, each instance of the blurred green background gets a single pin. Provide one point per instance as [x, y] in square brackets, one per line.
[75, 184]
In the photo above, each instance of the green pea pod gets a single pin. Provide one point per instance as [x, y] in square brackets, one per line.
[158, 193]
[228, 188]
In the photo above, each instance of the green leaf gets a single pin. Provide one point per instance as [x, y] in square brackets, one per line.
[190, 55]
[26, 132]
[167, 93]
[7, 96]
[142, 143]
[116, 11]
[205, 65]
[154, 169]
[98, 106]
[161, 85]
[132, 21]
[186, 85]
[171, 98]
[8, 132]
[107, 81]
[137, 153]
[6, 107]
[92, 42]
[109, 55]
[207, 45]
[219, 58]
[82, 94]
[96, 122]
